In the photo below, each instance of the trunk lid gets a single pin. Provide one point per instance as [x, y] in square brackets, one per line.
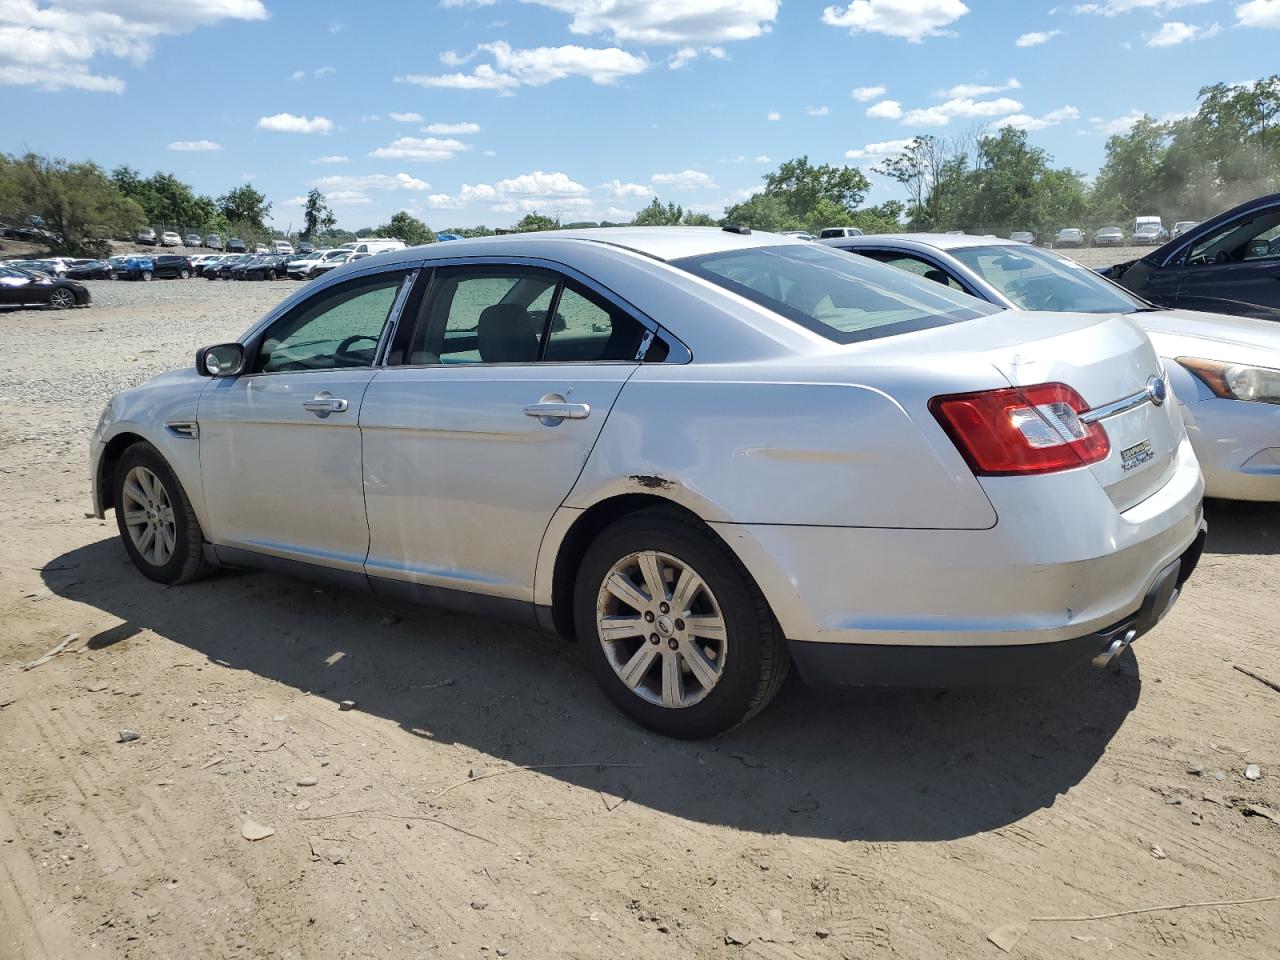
[1108, 362]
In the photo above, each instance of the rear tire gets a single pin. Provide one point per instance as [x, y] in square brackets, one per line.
[160, 531]
[146, 275]
[184, 274]
[719, 655]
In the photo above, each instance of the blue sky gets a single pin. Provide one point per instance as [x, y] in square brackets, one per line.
[475, 111]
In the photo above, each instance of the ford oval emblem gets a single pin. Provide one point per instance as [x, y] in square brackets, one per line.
[1157, 390]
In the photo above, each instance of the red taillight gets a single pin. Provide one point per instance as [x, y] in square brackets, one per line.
[1021, 430]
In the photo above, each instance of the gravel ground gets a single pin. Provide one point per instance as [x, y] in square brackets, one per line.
[858, 824]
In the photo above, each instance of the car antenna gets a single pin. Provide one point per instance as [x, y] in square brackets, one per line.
[734, 228]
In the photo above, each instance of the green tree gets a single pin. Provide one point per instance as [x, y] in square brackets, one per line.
[692, 219]
[405, 226]
[1132, 175]
[165, 199]
[316, 216]
[803, 187]
[533, 222]
[658, 215]
[245, 205]
[762, 212]
[77, 201]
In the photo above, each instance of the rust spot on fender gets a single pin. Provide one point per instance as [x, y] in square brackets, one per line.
[652, 482]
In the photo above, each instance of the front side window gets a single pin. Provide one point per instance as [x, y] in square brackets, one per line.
[1038, 280]
[921, 268]
[1254, 238]
[841, 297]
[336, 329]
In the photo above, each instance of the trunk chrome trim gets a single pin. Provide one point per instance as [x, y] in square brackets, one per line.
[1124, 405]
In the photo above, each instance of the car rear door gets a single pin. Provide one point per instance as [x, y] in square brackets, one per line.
[477, 432]
[280, 445]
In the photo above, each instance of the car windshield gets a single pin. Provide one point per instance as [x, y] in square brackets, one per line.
[844, 298]
[1036, 279]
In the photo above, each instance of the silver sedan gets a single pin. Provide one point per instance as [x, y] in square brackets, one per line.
[1225, 371]
[703, 454]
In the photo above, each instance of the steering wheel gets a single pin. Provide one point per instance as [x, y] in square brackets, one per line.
[342, 352]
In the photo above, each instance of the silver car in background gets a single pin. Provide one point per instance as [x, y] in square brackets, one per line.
[1108, 237]
[701, 453]
[1224, 370]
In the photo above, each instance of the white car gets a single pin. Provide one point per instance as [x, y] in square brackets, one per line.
[1224, 370]
[170, 239]
[828, 233]
[281, 246]
[318, 263]
[703, 453]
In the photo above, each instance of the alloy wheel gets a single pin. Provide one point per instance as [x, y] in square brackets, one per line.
[149, 517]
[61, 299]
[662, 629]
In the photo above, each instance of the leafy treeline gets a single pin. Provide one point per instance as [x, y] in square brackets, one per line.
[1191, 168]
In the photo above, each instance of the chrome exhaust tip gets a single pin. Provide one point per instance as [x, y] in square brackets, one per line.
[1115, 648]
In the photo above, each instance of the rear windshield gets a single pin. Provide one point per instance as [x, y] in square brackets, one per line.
[1036, 279]
[844, 298]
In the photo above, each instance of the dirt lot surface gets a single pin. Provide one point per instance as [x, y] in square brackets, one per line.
[854, 824]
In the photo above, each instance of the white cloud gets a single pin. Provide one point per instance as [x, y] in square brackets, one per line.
[885, 110]
[1117, 125]
[541, 184]
[1176, 32]
[425, 149]
[882, 149]
[324, 72]
[762, 158]
[817, 111]
[332, 158]
[441, 201]
[451, 129]
[618, 215]
[669, 22]
[961, 108]
[686, 55]
[1112, 8]
[194, 146]
[375, 181]
[1259, 13]
[297, 75]
[535, 67]
[616, 188]
[405, 117]
[684, 180]
[288, 123]
[774, 116]
[978, 89]
[1036, 37]
[867, 94]
[1051, 119]
[53, 44]
[912, 20]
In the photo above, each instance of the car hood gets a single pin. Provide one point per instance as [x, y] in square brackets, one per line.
[1214, 336]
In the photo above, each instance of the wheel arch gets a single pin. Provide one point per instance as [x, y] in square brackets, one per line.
[570, 535]
[111, 454]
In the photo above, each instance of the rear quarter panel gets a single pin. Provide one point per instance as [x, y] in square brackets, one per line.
[742, 444]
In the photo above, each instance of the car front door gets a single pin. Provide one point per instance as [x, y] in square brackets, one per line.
[280, 444]
[16, 287]
[479, 429]
[1234, 268]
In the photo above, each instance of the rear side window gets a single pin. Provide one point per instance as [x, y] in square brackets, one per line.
[586, 327]
[842, 297]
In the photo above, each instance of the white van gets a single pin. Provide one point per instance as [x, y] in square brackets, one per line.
[371, 245]
[281, 246]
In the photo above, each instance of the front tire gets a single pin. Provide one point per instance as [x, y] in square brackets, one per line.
[62, 299]
[159, 529]
[674, 629]
[184, 274]
[147, 275]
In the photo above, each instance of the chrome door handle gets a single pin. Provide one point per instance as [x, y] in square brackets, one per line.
[325, 404]
[553, 408]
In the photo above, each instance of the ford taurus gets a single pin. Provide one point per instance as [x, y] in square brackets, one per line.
[702, 454]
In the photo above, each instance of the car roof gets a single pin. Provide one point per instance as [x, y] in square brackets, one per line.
[662, 243]
[939, 241]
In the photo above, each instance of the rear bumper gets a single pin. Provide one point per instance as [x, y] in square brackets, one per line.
[1061, 563]
[856, 664]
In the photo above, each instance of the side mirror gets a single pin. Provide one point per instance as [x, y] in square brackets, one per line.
[224, 360]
